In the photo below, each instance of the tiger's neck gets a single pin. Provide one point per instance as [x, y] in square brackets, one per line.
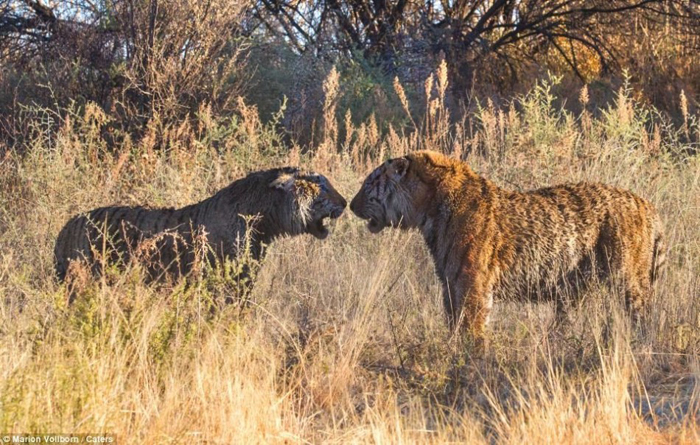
[434, 229]
[453, 215]
[258, 219]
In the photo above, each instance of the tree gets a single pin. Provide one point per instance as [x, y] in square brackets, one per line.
[469, 32]
[138, 58]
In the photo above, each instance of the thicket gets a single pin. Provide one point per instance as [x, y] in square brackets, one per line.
[156, 67]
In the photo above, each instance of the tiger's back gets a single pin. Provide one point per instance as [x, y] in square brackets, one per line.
[113, 234]
[559, 236]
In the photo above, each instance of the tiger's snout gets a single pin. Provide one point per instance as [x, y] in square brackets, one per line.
[354, 205]
[339, 211]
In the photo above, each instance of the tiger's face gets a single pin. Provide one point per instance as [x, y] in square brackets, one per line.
[390, 196]
[316, 200]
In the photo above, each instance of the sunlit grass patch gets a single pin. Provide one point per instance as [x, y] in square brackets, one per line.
[343, 340]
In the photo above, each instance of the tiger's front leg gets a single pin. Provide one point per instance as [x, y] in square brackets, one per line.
[468, 305]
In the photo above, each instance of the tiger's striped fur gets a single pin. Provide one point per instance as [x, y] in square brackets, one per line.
[487, 242]
[279, 202]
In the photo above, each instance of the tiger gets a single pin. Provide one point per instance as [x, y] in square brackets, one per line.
[489, 243]
[249, 214]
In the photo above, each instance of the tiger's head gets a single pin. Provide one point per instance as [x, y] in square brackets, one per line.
[391, 195]
[313, 197]
[402, 192]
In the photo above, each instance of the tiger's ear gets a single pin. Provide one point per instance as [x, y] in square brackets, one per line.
[398, 167]
[284, 182]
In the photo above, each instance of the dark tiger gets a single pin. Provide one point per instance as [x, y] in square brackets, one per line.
[248, 214]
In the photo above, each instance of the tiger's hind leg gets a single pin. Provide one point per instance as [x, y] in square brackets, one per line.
[77, 276]
[638, 292]
[625, 266]
[571, 289]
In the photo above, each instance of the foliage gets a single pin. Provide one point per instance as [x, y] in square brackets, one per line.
[152, 65]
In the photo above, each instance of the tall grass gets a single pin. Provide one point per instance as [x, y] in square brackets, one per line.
[345, 339]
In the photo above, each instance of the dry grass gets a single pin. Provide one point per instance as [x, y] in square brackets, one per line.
[345, 340]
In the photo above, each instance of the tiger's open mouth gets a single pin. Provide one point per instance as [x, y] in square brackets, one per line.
[319, 226]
